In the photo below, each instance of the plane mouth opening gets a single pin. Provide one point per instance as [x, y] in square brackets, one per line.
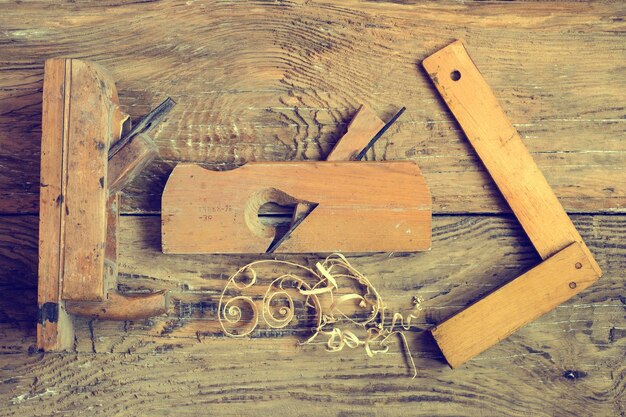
[301, 212]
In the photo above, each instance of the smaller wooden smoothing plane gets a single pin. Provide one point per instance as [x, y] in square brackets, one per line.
[340, 205]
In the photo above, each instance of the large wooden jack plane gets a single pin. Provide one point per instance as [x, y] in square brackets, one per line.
[88, 154]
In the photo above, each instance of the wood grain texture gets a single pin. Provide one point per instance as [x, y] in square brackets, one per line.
[577, 350]
[361, 207]
[265, 81]
[281, 81]
[112, 242]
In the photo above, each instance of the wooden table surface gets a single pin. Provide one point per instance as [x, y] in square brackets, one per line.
[276, 80]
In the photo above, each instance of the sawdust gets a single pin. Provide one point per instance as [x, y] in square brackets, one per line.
[361, 307]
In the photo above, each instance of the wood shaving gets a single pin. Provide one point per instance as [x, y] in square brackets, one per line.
[239, 315]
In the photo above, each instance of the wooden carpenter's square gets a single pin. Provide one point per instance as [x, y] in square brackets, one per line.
[568, 267]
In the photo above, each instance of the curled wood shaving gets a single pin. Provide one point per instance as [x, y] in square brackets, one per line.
[239, 315]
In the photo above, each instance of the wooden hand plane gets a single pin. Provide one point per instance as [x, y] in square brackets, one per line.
[85, 161]
[354, 207]
[340, 205]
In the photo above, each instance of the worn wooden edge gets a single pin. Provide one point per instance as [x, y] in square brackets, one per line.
[55, 330]
[111, 249]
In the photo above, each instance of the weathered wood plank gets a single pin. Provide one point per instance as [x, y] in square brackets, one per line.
[215, 376]
[470, 257]
[282, 81]
[577, 349]
[597, 189]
